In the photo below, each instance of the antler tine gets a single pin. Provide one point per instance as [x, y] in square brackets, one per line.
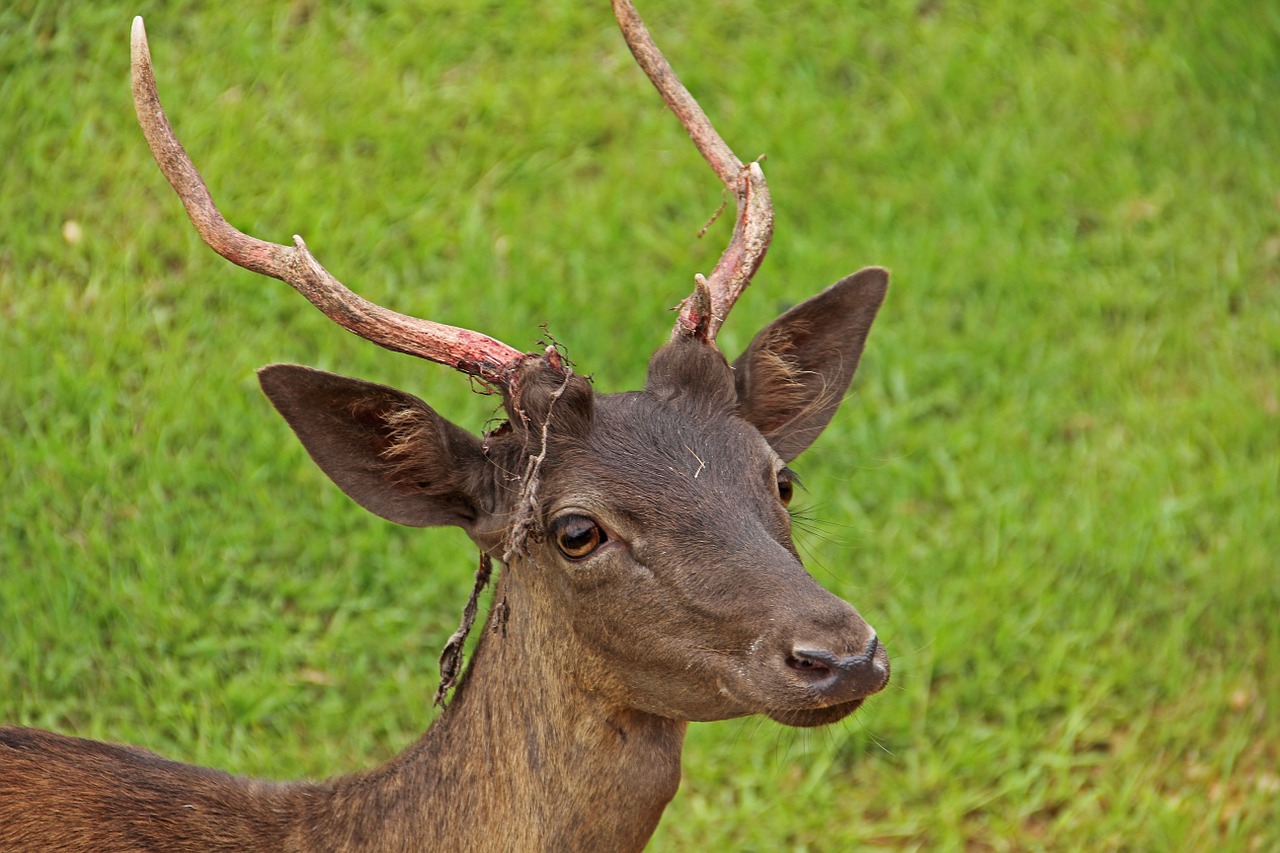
[702, 314]
[489, 360]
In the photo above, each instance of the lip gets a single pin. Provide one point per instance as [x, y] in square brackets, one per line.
[807, 718]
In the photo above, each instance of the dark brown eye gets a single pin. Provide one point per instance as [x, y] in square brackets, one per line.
[786, 486]
[577, 536]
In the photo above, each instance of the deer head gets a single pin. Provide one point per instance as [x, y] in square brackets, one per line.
[647, 531]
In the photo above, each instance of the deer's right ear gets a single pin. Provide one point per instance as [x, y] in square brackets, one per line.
[792, 377]
[387, 450]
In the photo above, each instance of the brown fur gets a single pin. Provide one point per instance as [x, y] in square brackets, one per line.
[565, 732]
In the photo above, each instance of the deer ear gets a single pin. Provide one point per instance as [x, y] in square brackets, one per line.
[388, 450]
[792, 377]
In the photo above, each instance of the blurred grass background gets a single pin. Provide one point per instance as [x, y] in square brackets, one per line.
[1055, 491]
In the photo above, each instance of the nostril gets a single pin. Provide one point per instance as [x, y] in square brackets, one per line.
[858, 674]
[813, 663]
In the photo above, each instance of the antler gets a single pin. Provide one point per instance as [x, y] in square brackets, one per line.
[483, 357]
[705, 310]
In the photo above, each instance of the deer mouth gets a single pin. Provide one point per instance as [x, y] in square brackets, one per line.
[812, 717]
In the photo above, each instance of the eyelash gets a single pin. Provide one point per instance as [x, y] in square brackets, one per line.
[787, 482]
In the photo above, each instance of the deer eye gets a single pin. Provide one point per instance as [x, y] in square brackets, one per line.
[786, 486]
[577, 536]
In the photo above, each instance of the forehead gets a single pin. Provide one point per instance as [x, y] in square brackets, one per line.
[639, 439]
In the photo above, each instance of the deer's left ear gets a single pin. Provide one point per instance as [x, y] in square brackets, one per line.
[792, 377]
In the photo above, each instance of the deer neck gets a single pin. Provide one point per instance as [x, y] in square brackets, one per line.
[527, 755]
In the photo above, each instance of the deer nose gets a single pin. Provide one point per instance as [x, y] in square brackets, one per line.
[840, 678]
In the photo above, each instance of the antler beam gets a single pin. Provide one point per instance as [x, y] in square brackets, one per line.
[703, 312]
[489, 360]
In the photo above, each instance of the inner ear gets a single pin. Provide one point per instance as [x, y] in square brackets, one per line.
[387, 450]
[793, 376]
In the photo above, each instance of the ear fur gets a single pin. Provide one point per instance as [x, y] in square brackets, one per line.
[792, 377]
[387, 450]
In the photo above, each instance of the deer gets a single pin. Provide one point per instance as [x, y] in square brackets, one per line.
[647, 573]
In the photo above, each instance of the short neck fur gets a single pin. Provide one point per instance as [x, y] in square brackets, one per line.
[520, 740]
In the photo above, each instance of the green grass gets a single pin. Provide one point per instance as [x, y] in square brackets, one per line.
[1056, 490]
